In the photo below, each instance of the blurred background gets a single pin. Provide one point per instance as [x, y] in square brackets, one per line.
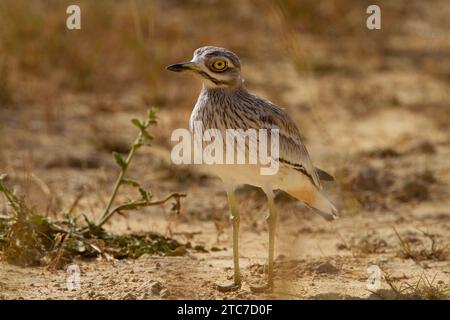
[373, 106]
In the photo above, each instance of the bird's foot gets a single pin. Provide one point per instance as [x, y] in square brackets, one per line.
[228, 287]
[265, 288]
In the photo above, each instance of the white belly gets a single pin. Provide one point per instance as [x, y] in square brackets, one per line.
[236, 174]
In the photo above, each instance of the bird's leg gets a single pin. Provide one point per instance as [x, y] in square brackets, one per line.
[272, 222]
[235, 219]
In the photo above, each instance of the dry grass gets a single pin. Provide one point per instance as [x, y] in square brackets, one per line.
[435, 251]
[424, 288]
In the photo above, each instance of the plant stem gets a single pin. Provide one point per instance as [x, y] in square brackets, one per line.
[144, 202]
[138, 203]
[10, 197]
[123, 171]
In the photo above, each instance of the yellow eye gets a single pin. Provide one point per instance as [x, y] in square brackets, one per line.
[219, 65]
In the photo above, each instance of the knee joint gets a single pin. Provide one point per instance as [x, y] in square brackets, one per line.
[235, 219]
[271, 218]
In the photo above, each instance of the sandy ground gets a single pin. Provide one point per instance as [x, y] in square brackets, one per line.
[315, 259]
[312, 263]
[380, 124]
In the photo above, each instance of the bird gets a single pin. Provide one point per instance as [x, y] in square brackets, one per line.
[225, 103]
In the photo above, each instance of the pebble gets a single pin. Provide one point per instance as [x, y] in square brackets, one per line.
[156, 287]
[129, 296]
[164, 293]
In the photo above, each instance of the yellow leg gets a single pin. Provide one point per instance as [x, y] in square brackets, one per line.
[272, 222]
[235, 220]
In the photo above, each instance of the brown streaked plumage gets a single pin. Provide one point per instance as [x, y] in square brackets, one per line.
[224, 103]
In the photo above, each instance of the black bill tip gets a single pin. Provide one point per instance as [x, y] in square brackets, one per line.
[178, 67]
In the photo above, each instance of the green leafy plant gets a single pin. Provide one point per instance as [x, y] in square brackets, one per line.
[28, 238]
[145, 201]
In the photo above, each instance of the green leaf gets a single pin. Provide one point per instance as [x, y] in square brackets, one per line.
[179, 251]
[94, 230]
[145, 194]
[151, 115]
[146, 135]
[119, 160]
[38, 220]
[130, 182]
[137, 123]
[138, 144]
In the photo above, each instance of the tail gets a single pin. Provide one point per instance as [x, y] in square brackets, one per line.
[315, 200]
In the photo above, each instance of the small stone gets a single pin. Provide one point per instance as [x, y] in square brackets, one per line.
[164, 293]
[156, 287]
[327, 267]
[413, 189]
[146, 296]
[129, 296]
[241, 295]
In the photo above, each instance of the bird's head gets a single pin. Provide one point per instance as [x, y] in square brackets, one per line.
[218, 67]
